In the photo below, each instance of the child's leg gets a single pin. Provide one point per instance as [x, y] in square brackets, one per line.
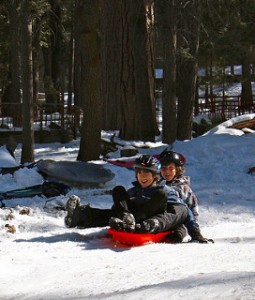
[123, 219]
[84, 216]
[174, 217]
[166, 221]
[120, 201]
[93, 217]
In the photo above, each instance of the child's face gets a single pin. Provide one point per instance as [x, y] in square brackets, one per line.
[168, 172]
[145, 177]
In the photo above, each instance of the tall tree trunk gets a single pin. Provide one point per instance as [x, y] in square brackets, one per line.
[128, 101]
[71, 62]
[169, 35]
[246, 14]
[54, 62]
[87, 18]
[27, 84]
[51, 94]
[188, 68]
[36, 62]
[144, 70]
[58, 48]
[186, 98]
[77, 56]
[137, 73]
[246, 93]
[12, 92]
[111, 64]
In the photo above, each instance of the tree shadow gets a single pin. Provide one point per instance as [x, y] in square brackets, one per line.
[191, 286]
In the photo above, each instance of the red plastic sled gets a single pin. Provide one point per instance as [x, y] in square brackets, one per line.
[137, 239]
[122, 163]
[130, 163]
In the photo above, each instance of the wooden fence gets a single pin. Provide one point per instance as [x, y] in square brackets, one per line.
[223, 108]
[52, 123]
[66, 122]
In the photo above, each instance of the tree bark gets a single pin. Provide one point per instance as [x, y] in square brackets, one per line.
[111, 63]
[36, 63]
[54, 59]
[246, 93]
[169, 109]
[188, 68]
[87, 18]
[27, 84]
[137, 72]
[12, 93]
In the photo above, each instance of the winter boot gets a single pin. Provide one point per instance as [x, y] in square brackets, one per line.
[72, 205]
[116, 224]
[148, 226]
[128, 222]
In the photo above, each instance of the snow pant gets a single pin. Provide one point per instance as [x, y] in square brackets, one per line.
[87, 217]
[175, 216]
[157, 204]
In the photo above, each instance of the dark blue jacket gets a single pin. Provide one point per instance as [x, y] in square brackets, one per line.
[139, 195]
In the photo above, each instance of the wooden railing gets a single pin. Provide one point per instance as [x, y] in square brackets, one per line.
[64, 118]
[45, 116]
[224, 108]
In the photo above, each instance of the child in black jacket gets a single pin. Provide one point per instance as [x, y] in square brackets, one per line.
[149, 206]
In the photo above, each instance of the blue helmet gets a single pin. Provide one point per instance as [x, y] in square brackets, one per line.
[147, 162]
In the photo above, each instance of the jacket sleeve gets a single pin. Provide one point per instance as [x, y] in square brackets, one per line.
[172, 195]
[189, 197]
[191, 224]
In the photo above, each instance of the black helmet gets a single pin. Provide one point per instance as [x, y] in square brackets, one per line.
[171, 156]
[147, 162]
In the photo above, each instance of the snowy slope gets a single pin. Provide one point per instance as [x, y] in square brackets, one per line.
[45, 260]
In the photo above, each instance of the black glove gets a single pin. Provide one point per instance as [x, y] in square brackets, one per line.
[202, 241]
[196, 237]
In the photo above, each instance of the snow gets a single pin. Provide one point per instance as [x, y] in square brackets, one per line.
[6, 160]
[46, 260]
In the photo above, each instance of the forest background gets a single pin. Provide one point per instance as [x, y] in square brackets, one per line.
[103, 55]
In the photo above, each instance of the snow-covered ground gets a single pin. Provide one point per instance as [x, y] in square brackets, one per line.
[46, 260]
